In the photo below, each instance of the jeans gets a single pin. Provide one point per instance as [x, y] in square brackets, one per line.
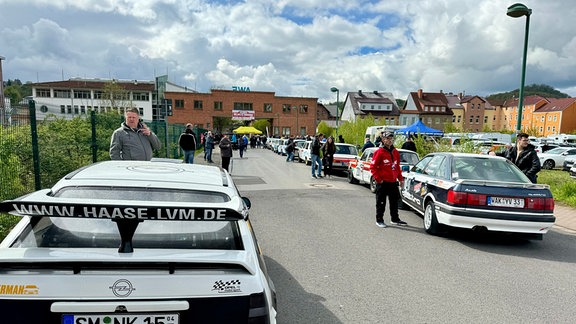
[390, 190]
[189, 156]
[290, 156]
[316, 163]
[208, 154]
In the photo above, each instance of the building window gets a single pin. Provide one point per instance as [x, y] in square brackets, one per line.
[141, 96]
[285, 131]
[62, 109]
[303, 109]
[62, 94]
[218, 105]
[198, 104]
[243, 106]
[69, 109]
[459, 118]
[276, 131]
[81, 94]
[43, 93]
[486, 119]
[267, 107]
[554, 117]
[178, 103]
[83, 110]
[98, 94]
[285, 108]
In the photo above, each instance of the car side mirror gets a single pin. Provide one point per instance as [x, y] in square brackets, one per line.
[247, 202]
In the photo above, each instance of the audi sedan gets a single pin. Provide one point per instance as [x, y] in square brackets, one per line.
[478, 192]
[135, 242]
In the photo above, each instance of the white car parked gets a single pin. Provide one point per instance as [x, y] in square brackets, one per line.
[555, 157]
[135, 242]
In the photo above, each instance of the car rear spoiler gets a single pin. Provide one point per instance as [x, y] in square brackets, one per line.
[126, 213]
[489, 183]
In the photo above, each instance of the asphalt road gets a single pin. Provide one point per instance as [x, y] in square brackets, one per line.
[331, 264]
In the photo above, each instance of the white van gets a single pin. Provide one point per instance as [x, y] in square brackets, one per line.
[373, 131]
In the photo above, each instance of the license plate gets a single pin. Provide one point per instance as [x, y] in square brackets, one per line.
[506, 202]
[120, 318]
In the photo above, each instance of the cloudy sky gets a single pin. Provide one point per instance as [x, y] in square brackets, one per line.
[293, 47]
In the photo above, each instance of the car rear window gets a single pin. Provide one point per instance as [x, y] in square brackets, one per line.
[345, 149]
[144, 194]
[51, 232]
[473, 168]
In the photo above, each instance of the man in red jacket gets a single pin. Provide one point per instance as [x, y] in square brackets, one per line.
[386, 170]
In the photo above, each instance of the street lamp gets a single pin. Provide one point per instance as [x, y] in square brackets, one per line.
[518, 10]
[297, 113]
[334, 89]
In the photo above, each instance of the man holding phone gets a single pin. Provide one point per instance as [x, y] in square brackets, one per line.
[133, 140]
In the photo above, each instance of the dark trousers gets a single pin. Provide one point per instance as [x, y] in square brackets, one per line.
[225, 162]
[390, 190]
[328, 165]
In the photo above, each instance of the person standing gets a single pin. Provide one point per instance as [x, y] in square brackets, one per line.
[341, 139]
[187, 142]
[367, 144]
[386, 171]
[409, 144]
[290, 149]
[328, 151]
[524, 156]
[241, 146]
[133, 140]
[315, 155]
[208, 147]
[225, 152]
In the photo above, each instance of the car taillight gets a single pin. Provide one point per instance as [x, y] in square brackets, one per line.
[258, 313]
[546, 204]
[464, 198]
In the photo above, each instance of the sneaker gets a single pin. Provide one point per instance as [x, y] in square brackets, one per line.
[381, 224]
[313, 176]
[319, 176]
[400, 222]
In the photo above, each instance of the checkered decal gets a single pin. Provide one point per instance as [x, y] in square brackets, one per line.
[222, 285]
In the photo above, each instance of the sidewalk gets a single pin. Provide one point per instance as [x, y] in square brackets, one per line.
[565, 215]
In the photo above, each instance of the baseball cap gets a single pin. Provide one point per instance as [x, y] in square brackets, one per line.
[388, 134]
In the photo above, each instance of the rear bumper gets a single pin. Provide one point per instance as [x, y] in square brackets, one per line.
[513, 222]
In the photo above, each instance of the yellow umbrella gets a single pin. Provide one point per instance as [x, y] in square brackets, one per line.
[247, 130]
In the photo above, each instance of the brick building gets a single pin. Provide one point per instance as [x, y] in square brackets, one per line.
[287, 115]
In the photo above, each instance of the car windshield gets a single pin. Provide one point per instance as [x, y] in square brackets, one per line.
[52, 232]
[346, 149]
[491, 169]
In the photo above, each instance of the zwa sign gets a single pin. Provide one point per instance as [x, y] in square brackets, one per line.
[244, 89]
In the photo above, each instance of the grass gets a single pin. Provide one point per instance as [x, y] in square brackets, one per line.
[562, 186]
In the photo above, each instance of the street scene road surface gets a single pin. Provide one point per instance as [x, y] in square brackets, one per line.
[331, 263]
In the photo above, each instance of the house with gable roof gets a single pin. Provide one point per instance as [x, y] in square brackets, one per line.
[558, 116]
[381, 105]
[470, 113]
[429, 107]
[530, 105]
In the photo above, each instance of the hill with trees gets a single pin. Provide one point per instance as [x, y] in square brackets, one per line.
[542, 90]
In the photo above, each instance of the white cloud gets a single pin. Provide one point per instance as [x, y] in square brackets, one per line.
[293, 47]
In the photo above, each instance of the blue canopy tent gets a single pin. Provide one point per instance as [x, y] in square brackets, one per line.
[419, 128]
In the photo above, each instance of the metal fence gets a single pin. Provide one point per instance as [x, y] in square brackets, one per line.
[36, 154]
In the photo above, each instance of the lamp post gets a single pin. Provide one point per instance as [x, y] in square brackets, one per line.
[297, 113]
[334, 89]
[518, 10]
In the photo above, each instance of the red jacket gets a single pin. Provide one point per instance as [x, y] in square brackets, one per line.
[385, 165]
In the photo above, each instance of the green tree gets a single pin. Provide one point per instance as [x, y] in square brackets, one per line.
[115, 96]
[261, 125]
[325, 129]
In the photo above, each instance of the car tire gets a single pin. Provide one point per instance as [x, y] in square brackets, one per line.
[548, 165]
[372, 185]
[351, 178]
[430, 221]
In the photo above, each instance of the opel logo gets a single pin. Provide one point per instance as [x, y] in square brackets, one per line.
[122, 288]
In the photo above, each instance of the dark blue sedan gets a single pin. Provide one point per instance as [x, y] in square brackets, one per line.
[479, 192]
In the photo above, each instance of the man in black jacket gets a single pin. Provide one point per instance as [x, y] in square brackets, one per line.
[187, 143]
[524, 156]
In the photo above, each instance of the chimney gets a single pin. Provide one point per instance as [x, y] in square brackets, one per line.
[375, 92]
[359, 92]
[420, 93]
[460, 95]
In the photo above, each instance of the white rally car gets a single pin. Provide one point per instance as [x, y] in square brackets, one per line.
[135, 242]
